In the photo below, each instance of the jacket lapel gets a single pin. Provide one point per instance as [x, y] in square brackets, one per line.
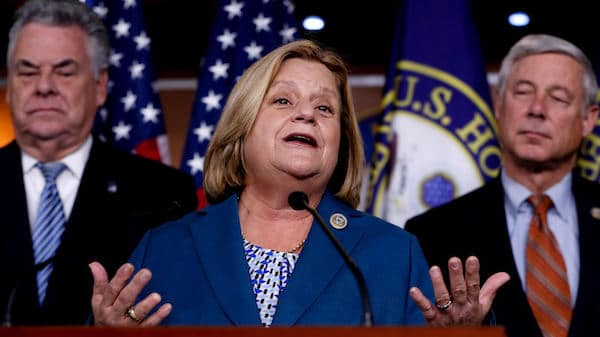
[14, 223]
[221, 252]
[318, 263]
[587, 196]
[15, 240]
[510, 305]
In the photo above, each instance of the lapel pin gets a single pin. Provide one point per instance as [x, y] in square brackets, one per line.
[111, 187]
[595, 211]
[338, 221]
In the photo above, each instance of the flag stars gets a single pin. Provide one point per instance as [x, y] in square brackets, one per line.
[103, 114]
[142, 41]
[219, 70]
[289, 5]
[204, 132]
[212, 100]
[262, 23]
[227, 39]
[234, 9]
[121, 131]
[115, 58]
[196, 164]
[150, 113]
[136, 69]
[128, 101]
[128, 3]
[121, 28]
[253, 51]
[101, 11]
[287, 33]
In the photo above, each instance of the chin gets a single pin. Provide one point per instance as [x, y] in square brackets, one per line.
[46, 133]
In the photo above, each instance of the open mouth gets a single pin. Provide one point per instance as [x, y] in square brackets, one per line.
[304, 139]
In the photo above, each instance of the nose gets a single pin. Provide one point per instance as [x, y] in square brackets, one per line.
[305, 113]
[538, 106]
[45, 84]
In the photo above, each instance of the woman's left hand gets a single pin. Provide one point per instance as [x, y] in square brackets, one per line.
[467, 304]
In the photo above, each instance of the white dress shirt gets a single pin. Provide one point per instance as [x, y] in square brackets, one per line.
[67, 181]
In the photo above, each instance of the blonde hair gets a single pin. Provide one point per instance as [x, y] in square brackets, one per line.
[224, 172]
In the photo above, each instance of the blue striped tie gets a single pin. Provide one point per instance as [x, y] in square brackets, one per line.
[49, 225]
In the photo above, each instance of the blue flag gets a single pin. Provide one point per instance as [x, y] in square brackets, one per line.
[436, 137]
[588, 162]
[243, 32]
[132, 118]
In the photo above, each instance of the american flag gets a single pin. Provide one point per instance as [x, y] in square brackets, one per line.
[243, 32]
[131, 119]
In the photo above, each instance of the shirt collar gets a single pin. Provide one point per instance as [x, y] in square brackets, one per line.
[517, 194]
[75, 161]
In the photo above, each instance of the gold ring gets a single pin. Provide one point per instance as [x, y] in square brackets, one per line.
[130, 312]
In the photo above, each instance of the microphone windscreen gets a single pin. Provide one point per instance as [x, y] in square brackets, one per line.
[298, 200]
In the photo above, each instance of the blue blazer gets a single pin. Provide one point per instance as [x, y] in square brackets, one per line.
[198, 265]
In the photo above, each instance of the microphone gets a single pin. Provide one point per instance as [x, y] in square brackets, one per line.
[299, 201]
[7, 319]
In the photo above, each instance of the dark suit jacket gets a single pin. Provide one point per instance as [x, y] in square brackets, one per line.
[119, 198]
[198, 265]
[475, 224]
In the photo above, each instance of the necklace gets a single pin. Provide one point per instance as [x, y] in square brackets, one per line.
[294, 249]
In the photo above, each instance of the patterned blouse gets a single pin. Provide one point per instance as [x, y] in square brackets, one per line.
[269, 272]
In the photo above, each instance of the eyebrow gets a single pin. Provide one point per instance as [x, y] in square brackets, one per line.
[322, 90]
[61, 64]
[522, 81]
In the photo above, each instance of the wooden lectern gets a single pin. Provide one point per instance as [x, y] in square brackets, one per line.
[251, 332]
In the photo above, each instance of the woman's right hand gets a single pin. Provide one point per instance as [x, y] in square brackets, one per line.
[113, 302]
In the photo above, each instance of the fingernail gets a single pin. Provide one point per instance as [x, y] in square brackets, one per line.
[144, 275]
[454, 265]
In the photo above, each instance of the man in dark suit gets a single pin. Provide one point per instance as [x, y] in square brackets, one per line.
[57, 78]
[544, 108]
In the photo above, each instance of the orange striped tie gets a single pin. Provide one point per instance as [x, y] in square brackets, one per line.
[546, 275]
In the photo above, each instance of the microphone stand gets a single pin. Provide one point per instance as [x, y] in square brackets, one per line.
[299, 201]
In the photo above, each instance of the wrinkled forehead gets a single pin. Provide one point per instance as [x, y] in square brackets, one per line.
[44, 43]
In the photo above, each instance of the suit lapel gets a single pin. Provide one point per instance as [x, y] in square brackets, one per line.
[510, 305]
[495, 252]
[317, 265]
[16, 244]
[587, 197]
[15, 220]
[221, 253]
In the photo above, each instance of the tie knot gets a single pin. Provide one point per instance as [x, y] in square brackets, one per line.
[540, 204]
[51, 170]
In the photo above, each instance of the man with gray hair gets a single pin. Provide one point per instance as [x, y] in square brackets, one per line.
[539, 221]
[68, 199]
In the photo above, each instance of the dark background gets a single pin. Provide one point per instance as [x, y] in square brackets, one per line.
[362, 31]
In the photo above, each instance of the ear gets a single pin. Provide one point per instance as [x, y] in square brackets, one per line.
[101, 87]
[590, 119]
